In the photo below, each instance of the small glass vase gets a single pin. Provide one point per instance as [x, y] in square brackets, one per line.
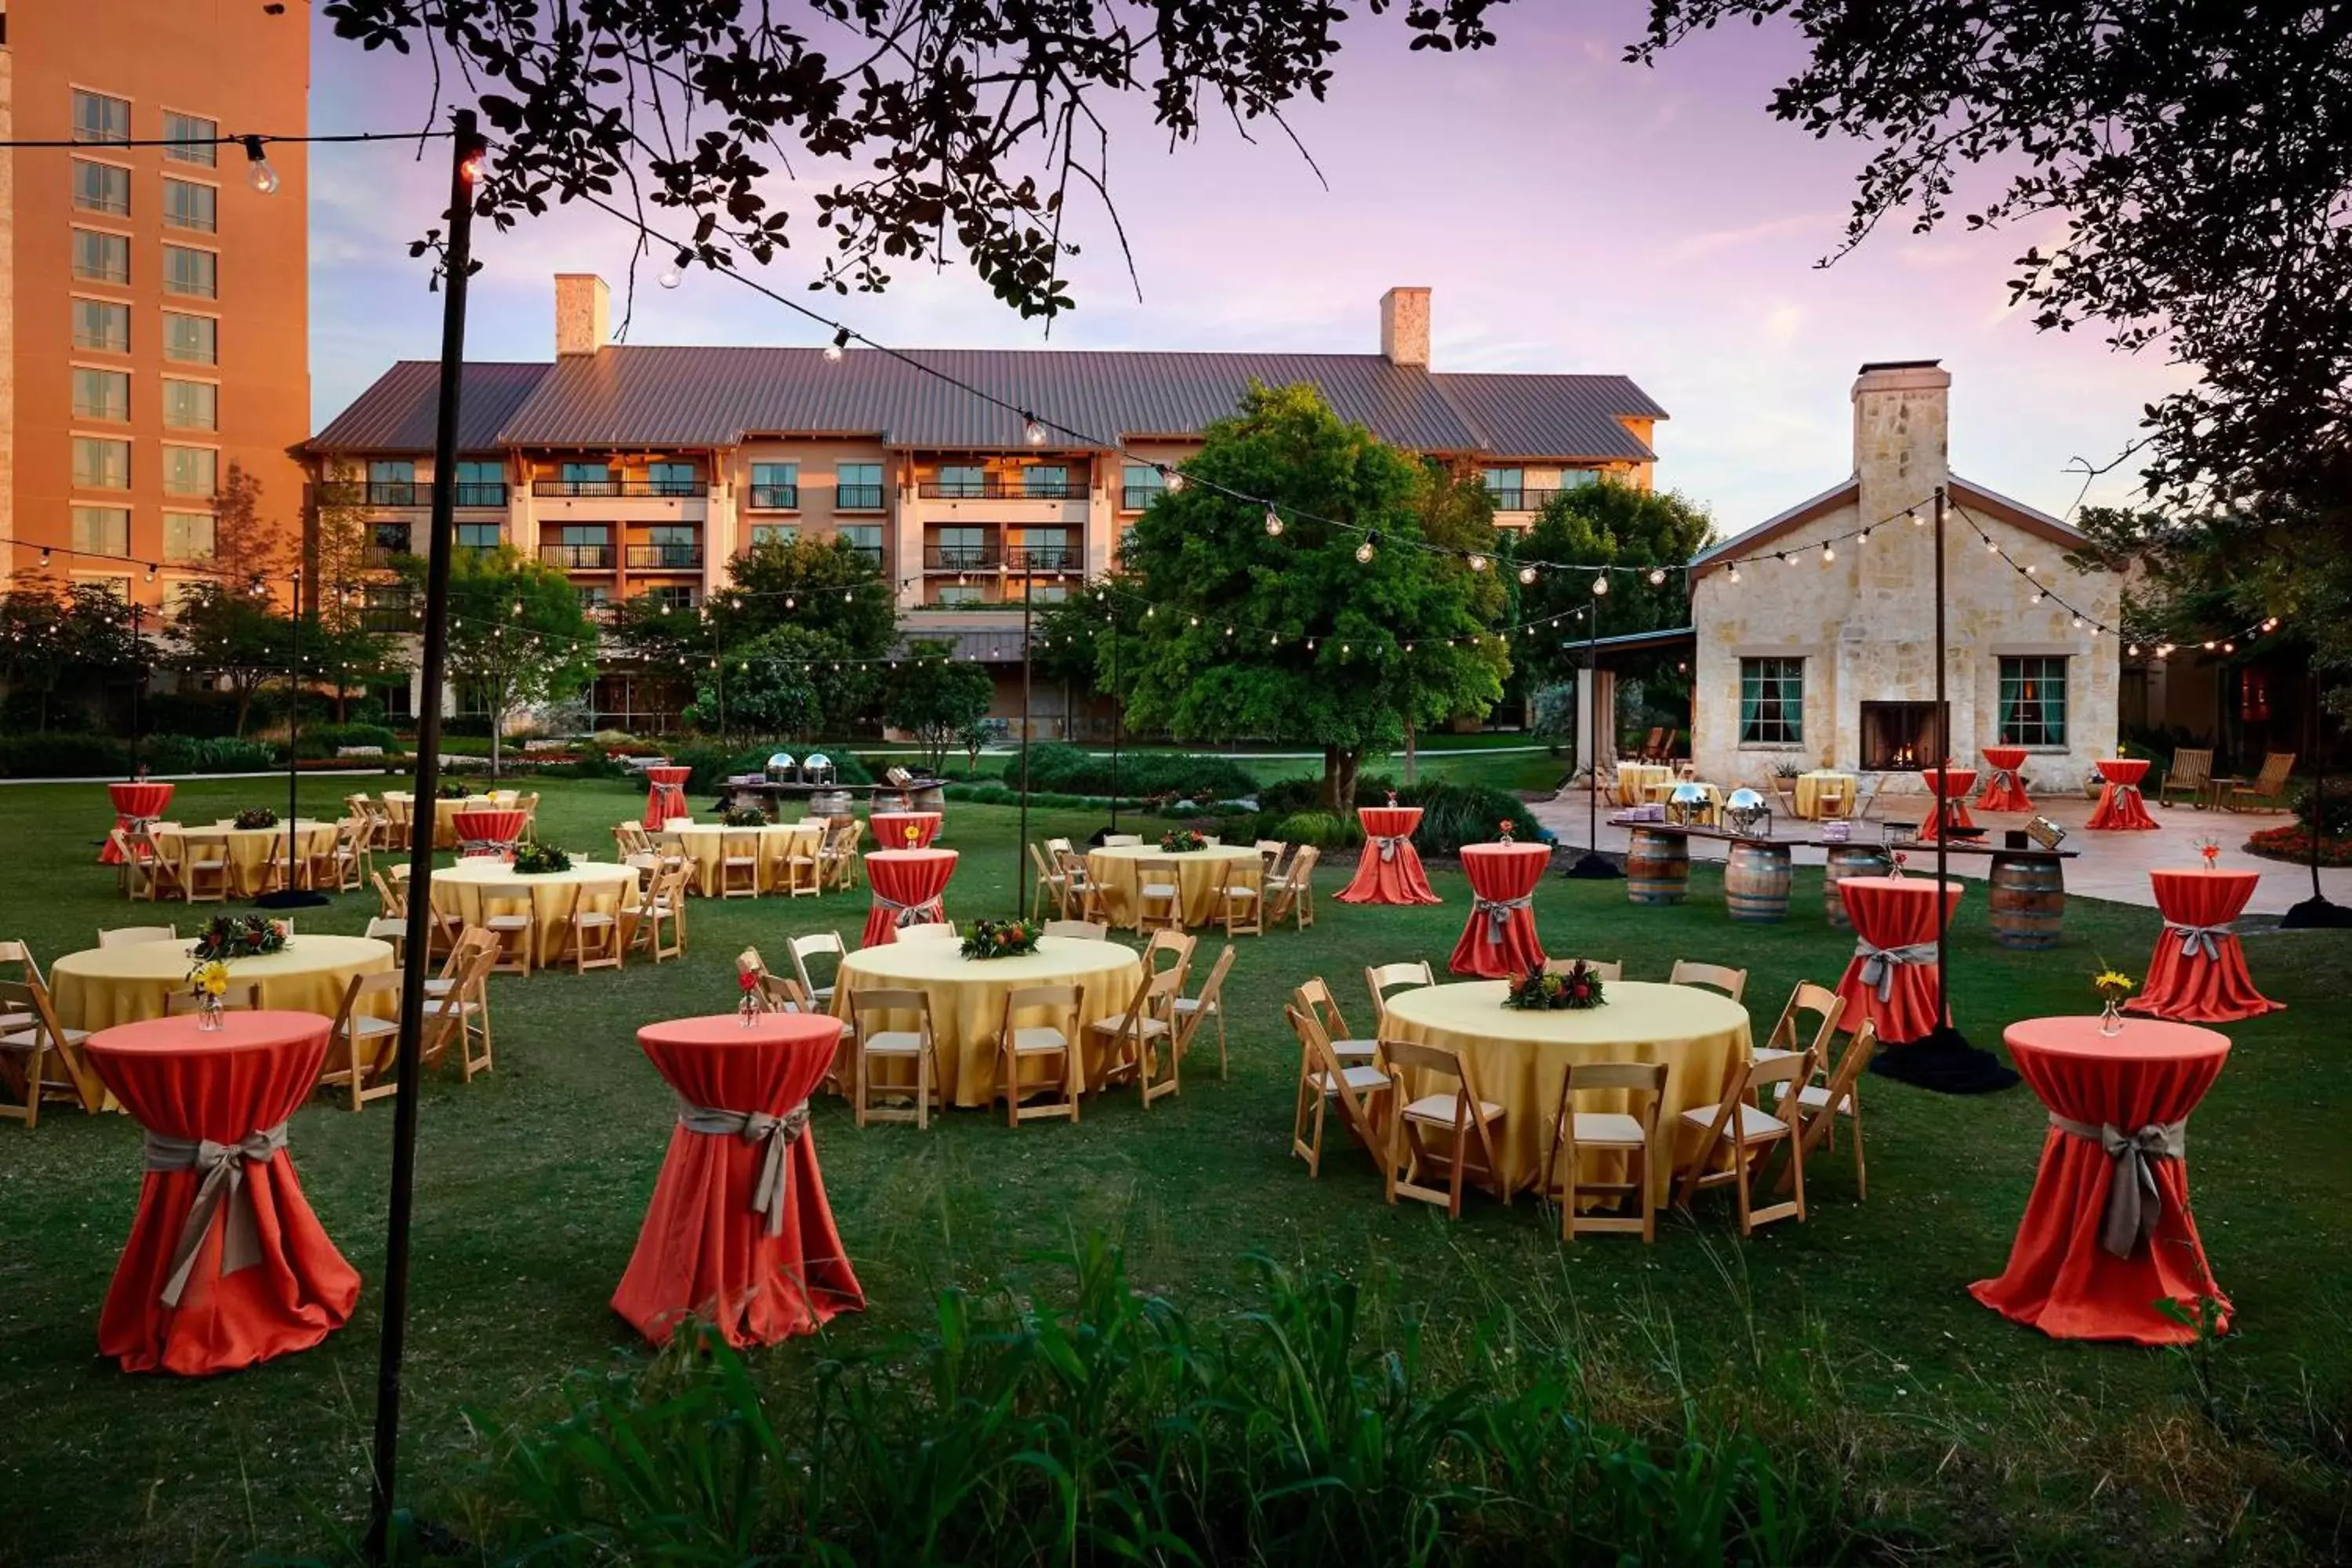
[748, 1011]
[208, 1013]
[2111, 1018]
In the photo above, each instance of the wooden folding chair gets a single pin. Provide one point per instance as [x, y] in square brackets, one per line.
[2191, 776]
[1465, 1118]
[2266, 793]
[1379, 977]
[1749, 1135]
[1086, 894]
[1784, 1041]
[1175, 946]
[592, 936]
[1057, 1042]
[1121, 840]
[42, 1058]
[1732, 982]
[1078, 931]
[513, 927]
[1358, 1090]
[20, 954]
[125, 936]
[875, 1043]
[661, 901]
[367, 1044]
[1132, 1038]
[1633, 1134]
[1241, 899]
[1611, 970]
[1314, 998]
[1292, 893]
[1050, 886]
[1191, 1012]
[203, 869]
[739, 864]
[1276, 854]
[1159, 895]
[930, 930]
[822, 943]
[1839, 1096]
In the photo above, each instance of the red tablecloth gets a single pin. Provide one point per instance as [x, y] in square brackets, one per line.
[666, 794]
[1950, 788]
[135, 806]
[2062, 1278]
[890, 828]
[489, 824]
[2120, 808]
[2004, 790]
[1893, 917]
[1500, 940]
[2198, 974]
[182, 1082]
[704, 1248]
[1389, 871]
[907, 886]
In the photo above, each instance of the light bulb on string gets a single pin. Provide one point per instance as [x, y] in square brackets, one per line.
[1173, 479]
[1912, 514]
[2208, 647]
[1829, 554]
[1364, 551]
[1735, 574]
[2078, 623]
[840, 344]
[2229, 648]
[1031, 430]
[1600, 581]
[258, 172]
[1527, 575]
[1863, 538]
[1273, 523]
[1787, 560]
[1657, 576]
[674, 273]
[1477, 563]
[1993, 546]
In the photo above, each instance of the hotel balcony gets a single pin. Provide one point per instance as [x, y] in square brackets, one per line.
[614, 490]
[1000, 487]
[1521, 499]
[1017, 558]
[857, 497]
[409, 493]
[677, 557]
[577, 557]
[1136, 498]
[773, 498]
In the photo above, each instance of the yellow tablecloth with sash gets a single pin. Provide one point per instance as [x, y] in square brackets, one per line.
[103, 986]
[483, 885]
[1199, 872]
[255, 854]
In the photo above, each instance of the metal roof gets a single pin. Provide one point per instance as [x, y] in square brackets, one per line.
[1551, 415]
[396, 414]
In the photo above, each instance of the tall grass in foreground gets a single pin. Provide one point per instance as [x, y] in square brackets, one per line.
[1305, 1425]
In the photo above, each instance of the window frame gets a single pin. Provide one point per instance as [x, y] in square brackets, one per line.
[203, 153]
[185, 519]
[116, 310]
[1785, 725]
[212, 215]
[170, 356]
[169, 449]
[101, 207]
[173, 383]
[2050, 735]
[171, 287]
[124, 442]
[81, 232]
[115, 411]
[106, 136]
[119, 515]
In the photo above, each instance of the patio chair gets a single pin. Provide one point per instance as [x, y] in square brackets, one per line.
[1467, 1122]
[1323, 1080]
[1632, 1133]
[2191, 774]
[2268, 791]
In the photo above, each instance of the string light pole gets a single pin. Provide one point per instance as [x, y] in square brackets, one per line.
[1021, 844]
[1593, 866]
[1944, 1031]
[289, 896]
[1115, 716]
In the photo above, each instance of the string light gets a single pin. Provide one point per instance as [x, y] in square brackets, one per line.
[1527, 575]
[258, 172]
[1478, 563]
[1031, 431]
[1657, 576]
[1364, 551]
[674, 273]
[840, 345]
[1829, 554]
[1273, 523]
[1600, 581]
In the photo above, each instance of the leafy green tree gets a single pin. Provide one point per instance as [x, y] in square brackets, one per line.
[53, 637]
[1606, 524]
[518, 633]
[937, 699]
[828, 587]
[236, 633]
[779, 684]
[1292, 637]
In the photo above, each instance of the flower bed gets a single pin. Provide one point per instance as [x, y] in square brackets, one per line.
[2293, 842]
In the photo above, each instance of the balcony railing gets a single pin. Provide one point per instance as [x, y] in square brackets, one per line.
[857, 497]
[578, 557]
[1041, 558]
[994, 487]
[870, 554]
[660, 489]
[481, 492]
[1135, 497]
[1521, 499]
[409, 493]
[384, 556]
[775, 497]
[665, 557]
[962, 558]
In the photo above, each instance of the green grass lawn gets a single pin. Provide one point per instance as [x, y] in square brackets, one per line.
[1849, 1341]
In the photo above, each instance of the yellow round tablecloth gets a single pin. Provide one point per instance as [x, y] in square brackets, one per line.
[1809, 790]
[703, 840]
[1198, 872]
[1633, 778]
[103, 986]
[254, 852]
[1519, 1059]
[483, 885]
[968, 999]
[444, 814]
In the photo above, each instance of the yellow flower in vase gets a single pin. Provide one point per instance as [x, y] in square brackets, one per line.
[2112, 984]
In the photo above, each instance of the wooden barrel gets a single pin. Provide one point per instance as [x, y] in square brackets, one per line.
[1657, 867]
[1850, 860]
[2028, 899]
[1756, 881]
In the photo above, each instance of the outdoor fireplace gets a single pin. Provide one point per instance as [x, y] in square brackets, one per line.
[1899, 736]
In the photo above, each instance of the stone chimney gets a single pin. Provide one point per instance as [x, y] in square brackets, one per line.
[1404, 327]
[583, 311]
[1902, 423]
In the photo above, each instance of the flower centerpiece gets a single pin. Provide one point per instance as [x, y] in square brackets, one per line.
[1541, 991]
[1001, 939]
[754, 1003]
[2113, 985]
[540, 858]
[452, 792]
[914, 836]
[1181, 841]
[209, 982]
[1504, 829]
[2211, 849]
[255, 817]
[225, 937]
[743, 817]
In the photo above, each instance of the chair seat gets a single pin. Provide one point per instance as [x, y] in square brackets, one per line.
[1754, 1126]
[507, 922]
[1357, 1079]
[1149, 1028]
[1439, 1108]
[1042, 1040]
[25, 1038]
[1764, 1054]
[368, 1028]
[893, 1043]
[1816, 1097]
[592, 917]
[1241, 894]
[1355, 1050]
[1191, 1005]
[739, 860]
[823, 996]
[1158, 891]
[1609, 1127]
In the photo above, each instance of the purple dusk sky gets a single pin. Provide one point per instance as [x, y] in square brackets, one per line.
[1572, 213]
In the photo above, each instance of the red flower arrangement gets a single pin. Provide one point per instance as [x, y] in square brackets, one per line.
[1540, 990]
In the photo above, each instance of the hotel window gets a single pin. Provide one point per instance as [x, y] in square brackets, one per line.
[480, 536]
[102, 395]
[962, 548]
[1140, 484]
[191, 405]
[776, 486]
[481, 481]
[190, 470]
[594, 597]
[858, 488]
[97, 118]
[187, 535]
[2033, 700]
[100, 188]
[1507, 486]
[864, 538]
[1048, 592]
[962, 481]
[386, 539]
[187, 204]
[102, 530]
[1045, 481]
[1771, 701]
[783, 533]
[100, 465]
[1047, 550]
[191, 340]
[585, 478]
[102, 258]
[196, 132]
[956, 594]
[670, 478]
[1577, 479]
[195, 273]
[677, 596]
[102, 325]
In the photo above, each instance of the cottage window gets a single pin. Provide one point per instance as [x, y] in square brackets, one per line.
[2033, 702]
[1771, 701]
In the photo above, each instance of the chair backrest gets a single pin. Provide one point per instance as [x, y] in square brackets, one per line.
[1302, 866]
[2276, 766]
[1807, 997]
[1378, 977]
[1056, 847]
[1207, 1000]
[123, 935]
[1444, 1061]
[1647, 1081]
[362, 988]
[1609, 969]
[1315, 1046]
[1314, 998]
[245, 998]
[1180, 944]
[1120, 840]
[1732, 982]
[784, 993]
[1795, 1071]
[891, 999]
[930, 930]
[1063, 999]
[19, 953]
[1046, 871]
[804, 947]
[471, 940]
[1851, 1065]
[2189, 767]
[394, 904]
[1080, 931]
[387, 928]
[748, 961]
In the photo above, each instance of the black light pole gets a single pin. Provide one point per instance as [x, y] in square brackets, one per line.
[1021, 846]
[466, 153]
[2317, 911]
[1944, 745]
[1593, 866]
[291, 897]
[1115, 725]
[137, 678]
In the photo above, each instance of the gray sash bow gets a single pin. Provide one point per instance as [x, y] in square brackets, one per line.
[2002, 779]
[2200, 939]
[774, 1134]
[1878, 964]
[926, 913]
[2134, 1201]
[2124, 789]
[223, 1188]
[1498, 914]
[1388, 847]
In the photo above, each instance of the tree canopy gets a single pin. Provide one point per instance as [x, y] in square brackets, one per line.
[1605, 524]
[1292, 637]
[229, 630]
[51, 635]
[518, 633]
[936, 699]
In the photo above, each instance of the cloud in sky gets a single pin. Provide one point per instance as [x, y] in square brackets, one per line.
[1570, 212]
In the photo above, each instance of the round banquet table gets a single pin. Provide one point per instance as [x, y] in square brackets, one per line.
[1517, 1057]
[1808, 793]
[2198, 974]
[474, 890]
[703, 843]
[1891, 979]
[1113, 869]
[255, 854]
[496, 825]
[666, 794]
[1948, 789]
[739, 1230]
[1634, 780]
[2004, 790]
[136, 805]
[2088, 1261]
[100, 987]
[907, 886]
[258, 1278]
[402, 808]
[1390, 870]
[2120, 808]
[967, 997]
[890, 828]
[1500, 939]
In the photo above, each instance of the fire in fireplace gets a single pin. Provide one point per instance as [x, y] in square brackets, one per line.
[1896, 736]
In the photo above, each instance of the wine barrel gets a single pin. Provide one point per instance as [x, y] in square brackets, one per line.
[1657, 867]
[1850, 860]
[1756, 881]
[2028, 899]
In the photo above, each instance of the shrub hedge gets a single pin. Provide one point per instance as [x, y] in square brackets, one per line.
[74, 754]
[1061, 768]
